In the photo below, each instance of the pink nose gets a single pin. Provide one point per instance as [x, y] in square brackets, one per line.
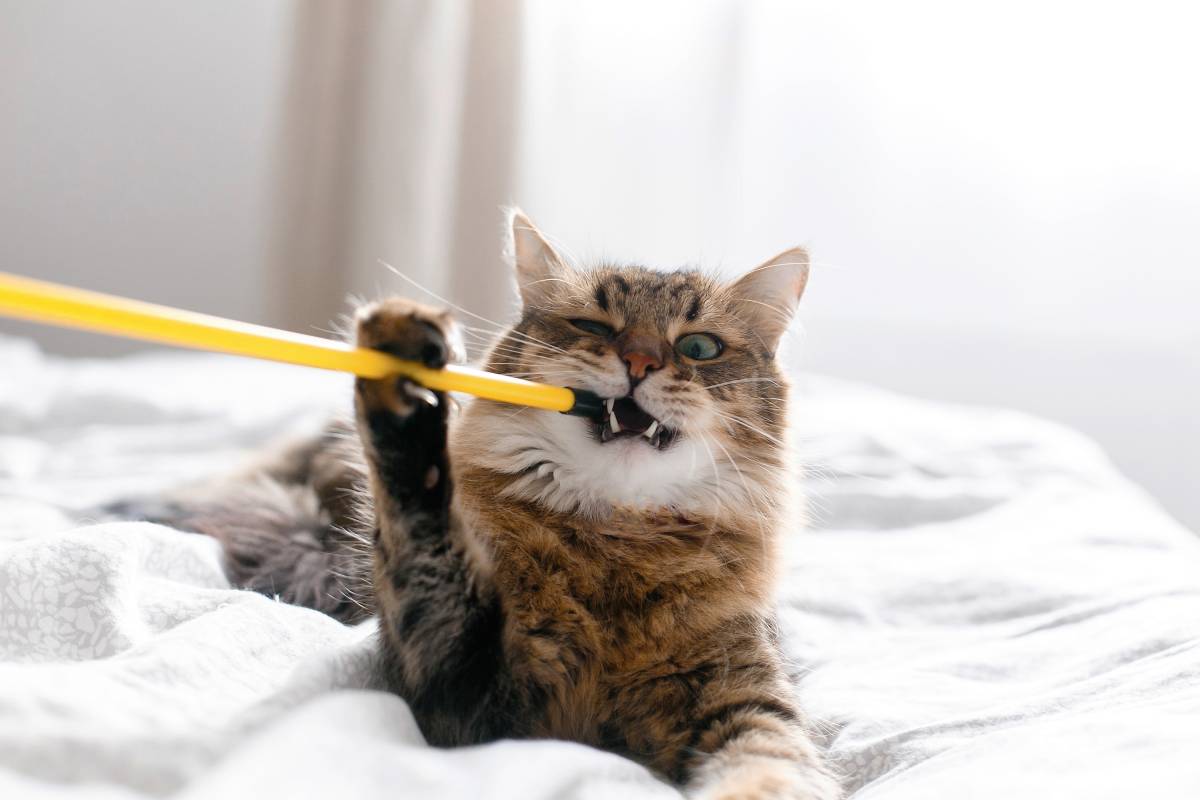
[641, 363]
[642, 351]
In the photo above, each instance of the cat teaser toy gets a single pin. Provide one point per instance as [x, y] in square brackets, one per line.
[53, 304]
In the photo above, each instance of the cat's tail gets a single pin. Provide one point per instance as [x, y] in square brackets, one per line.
[283, 535]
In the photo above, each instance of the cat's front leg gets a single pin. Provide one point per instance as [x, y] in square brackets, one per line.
[403, 426]
[752, 744]
[440, 620]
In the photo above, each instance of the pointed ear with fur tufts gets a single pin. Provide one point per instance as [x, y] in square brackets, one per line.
[538, 267]
[766, 297]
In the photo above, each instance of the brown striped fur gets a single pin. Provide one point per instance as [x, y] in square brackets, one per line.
[531, 581]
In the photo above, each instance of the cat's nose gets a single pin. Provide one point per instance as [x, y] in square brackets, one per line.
[642, 354]
[641, 363]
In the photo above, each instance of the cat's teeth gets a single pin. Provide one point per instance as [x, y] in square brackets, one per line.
[608, 404]
[612, 422]
[649, 432]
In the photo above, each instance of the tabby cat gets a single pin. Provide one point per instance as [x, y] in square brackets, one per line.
[537, 575]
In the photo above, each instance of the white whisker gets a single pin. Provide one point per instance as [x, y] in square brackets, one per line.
[745, 424]
[743, 380]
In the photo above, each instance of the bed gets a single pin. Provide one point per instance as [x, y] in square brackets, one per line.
[979, 606]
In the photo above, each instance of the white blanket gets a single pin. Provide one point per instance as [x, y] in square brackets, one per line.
[982, 608]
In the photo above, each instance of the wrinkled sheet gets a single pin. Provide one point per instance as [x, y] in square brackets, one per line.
[977, 607]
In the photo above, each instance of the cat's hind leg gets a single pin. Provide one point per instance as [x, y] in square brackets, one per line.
[289, 525]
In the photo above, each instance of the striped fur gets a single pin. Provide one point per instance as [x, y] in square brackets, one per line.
[526, 584]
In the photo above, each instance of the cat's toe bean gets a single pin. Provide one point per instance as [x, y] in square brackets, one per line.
[407, 330]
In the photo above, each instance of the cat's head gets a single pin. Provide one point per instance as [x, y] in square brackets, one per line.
[684, 361]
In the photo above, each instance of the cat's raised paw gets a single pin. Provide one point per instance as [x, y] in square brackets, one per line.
[410, 331]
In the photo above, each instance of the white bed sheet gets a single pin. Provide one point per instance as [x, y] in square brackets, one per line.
[980, 608]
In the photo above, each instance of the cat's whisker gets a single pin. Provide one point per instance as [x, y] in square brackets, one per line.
[546, 367]
[510, 364]
[500, 334]
[504, 330]
[518, 360]
[747, 425]
[742, 380]
[478, 337]
[527, 351]
[554, 365]
[703, 438]
[489, 332]
[514, 350]
[750, 494]
[545, 375]
[531, 339]
[550, 280]
[831, 475]
[554, 358]
[462, 310]
[523, 350]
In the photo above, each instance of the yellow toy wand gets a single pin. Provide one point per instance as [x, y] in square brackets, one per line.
[53, 304]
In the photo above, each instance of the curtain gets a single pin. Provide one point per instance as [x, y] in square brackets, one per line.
[397, 148]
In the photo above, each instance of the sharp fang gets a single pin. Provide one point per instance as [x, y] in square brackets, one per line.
[649, 432]
[612, 422]
[608, 404]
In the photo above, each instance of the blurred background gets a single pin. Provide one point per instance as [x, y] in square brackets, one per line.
[1002, 200]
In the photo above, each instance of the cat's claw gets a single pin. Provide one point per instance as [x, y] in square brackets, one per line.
[418, 392]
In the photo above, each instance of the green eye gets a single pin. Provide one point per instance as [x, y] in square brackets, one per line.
[699, 346]
[593, 327]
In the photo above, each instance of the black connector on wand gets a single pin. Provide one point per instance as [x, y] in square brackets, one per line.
[587, 404]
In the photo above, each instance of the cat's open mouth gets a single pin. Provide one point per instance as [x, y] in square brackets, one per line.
[625, 418]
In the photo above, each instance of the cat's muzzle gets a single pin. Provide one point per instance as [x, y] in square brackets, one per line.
[623, 417]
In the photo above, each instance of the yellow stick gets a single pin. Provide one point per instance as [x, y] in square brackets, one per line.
[39, 301]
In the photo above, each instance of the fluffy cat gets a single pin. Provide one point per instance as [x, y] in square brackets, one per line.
[540, 575]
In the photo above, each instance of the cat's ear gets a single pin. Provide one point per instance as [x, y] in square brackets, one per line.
[540, 270]
[766, 297]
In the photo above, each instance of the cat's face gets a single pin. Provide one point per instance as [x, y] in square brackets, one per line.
[684, 362]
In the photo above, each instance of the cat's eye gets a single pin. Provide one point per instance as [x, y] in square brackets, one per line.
[699, 346]
[593, 327]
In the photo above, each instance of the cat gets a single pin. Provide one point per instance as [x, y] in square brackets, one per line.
[535, 575]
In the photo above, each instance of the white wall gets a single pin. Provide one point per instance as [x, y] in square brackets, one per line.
[136, 151]
[1001, 200]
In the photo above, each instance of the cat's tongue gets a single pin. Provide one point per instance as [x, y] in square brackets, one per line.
[631, 417]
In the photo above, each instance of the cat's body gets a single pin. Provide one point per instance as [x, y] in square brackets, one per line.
[537, 575]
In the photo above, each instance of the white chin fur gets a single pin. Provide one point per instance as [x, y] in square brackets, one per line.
[567, 470]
